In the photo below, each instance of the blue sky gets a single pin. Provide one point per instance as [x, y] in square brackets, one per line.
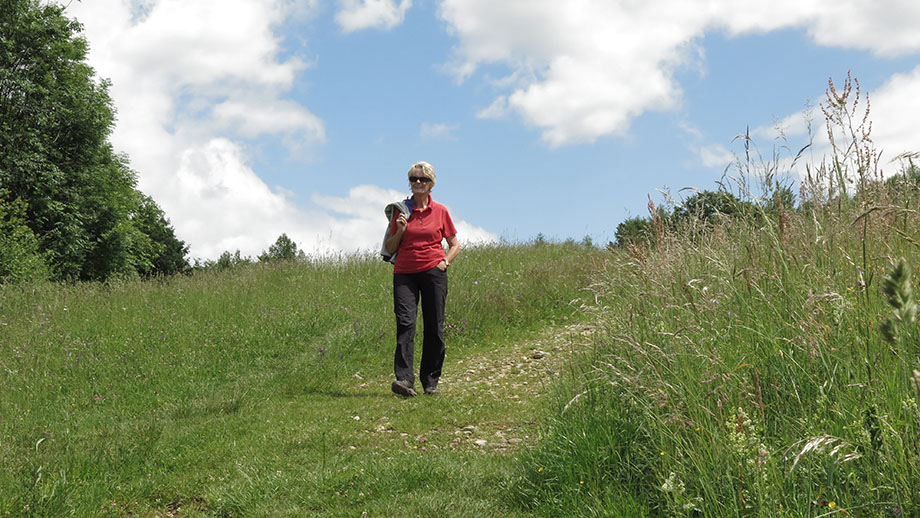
[248, 118]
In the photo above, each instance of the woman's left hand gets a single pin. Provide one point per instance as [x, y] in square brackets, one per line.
[442, 266]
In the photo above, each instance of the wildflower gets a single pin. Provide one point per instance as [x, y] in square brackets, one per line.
[673, 485]
[832, 504]
[540, 470]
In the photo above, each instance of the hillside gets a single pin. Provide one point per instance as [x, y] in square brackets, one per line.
[263, 390]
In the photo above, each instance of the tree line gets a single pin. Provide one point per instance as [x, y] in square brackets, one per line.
[69, 204]
[705, 209]
[70, 208]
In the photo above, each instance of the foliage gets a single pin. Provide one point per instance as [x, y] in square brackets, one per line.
[228, 260]
[635, 230]
[907, 180]
[55, 121]
[702, 211]
[168, 252]
[709, 207]
[284, 249]
[20, 259]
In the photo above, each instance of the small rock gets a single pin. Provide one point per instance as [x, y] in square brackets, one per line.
[537, 355]
[468, 429]
[480, 442]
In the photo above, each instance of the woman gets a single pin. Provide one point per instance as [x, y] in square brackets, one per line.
[420, 269]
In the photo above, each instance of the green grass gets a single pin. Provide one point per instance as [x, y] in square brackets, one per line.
[742, 372]
[763, 365]
[263, 390]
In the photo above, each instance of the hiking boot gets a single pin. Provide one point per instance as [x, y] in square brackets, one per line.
[431, 391]
[403, 388]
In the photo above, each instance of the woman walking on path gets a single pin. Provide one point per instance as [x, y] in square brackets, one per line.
[420, 270]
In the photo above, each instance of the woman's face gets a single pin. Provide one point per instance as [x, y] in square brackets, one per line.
[419, 183]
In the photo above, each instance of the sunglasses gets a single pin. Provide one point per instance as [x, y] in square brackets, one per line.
[423, 179]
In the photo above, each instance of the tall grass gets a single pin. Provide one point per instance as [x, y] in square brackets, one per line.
[235, 393]
[769, 366]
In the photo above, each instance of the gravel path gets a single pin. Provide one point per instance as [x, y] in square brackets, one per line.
[511, 381]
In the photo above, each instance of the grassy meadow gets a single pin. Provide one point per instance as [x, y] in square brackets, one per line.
[766, 366]
[753, 366]
[263, 390]
[761, 364]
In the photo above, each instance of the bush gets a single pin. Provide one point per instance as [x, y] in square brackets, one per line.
[20, 259]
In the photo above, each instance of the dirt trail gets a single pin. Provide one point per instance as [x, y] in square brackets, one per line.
[519, 374]
[523, 369]
[512, 378]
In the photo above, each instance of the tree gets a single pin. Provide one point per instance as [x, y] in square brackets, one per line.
[20, 259]
[168, 251]
[283, 250]
[708, 206]
[228, 260]
[55, 121]
[907, 179]
[636, 230]
[782, 197]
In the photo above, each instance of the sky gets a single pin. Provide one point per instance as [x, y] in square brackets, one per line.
[246, 119]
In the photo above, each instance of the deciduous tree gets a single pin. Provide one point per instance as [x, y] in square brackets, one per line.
[81, 199]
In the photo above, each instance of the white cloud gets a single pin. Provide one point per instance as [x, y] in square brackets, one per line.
[498, 109]
[249, 118]
[469, 234]
[894, 109]
[187, 79]
[438, 131]
[365, 222]
[894, 131]
[356, 15]
[228, 207]
[715, 155]
[192, 81]
[583, 70]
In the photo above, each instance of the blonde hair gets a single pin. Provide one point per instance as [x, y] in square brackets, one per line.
[426, 169]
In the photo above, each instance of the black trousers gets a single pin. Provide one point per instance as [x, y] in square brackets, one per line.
[431, 285]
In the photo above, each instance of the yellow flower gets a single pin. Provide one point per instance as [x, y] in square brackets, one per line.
[540, 470]
[832, 504]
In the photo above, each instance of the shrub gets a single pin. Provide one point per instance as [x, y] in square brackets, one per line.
[20, 259]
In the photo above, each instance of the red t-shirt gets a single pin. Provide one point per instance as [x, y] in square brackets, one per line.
[420, 248]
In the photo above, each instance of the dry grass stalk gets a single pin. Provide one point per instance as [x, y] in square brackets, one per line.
[838, 449]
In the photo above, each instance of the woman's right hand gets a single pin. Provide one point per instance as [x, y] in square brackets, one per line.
[401, 223]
